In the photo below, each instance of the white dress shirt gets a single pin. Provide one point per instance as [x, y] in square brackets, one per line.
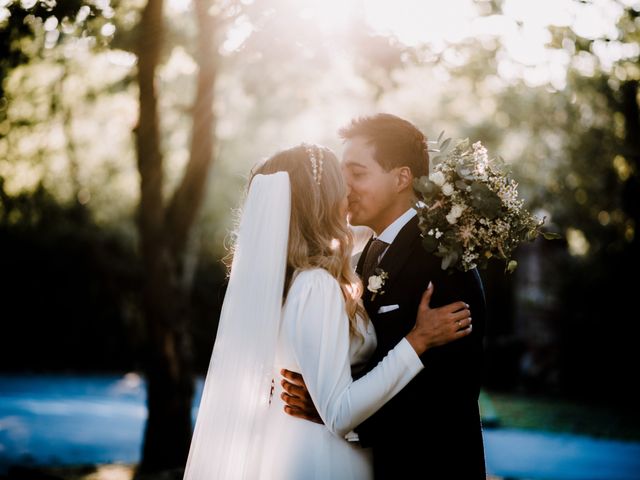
[391, 232]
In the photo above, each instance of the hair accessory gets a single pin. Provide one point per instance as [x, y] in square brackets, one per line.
[316, 157]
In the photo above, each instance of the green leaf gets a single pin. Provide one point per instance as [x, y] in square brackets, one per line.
[440, 136]
[425, 186]
[450, 259]
[461, 185]
[429, 243]
[511, 266]
[499, 165]
[485, 201]
[445, 144]
[531, 235]
[551, 235]
[462, 145]
[423, 223]
[465, 172]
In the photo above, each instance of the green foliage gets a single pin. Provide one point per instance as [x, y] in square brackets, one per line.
[31, 30]
[485, 200]
[554, 414]
[70, 288]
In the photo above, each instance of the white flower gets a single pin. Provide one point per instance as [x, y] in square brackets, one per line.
[457, 209]
[437, 178]
[454, 213]
[375, 283]
[480, 153]
[438, 233]
[447, 189]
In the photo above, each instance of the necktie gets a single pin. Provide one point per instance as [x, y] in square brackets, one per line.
[371, 260]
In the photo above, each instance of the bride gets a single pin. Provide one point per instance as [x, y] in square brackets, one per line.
[293, 302]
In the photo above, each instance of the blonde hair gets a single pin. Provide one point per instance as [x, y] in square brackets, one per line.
[319, 236]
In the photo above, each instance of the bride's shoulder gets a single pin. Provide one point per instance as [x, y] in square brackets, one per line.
[314, 279]
[315, 290]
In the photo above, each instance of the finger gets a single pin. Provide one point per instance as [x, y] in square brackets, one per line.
[464, 332]
[426, 297]
[293, 377]
[298, 413]
[292, 401]
[460, 314]
[455, 306]
[298, 402]
[463, 324]
[295, 390]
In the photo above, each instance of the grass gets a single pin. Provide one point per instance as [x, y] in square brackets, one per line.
[556, 415]
[87, 472]
[80, 472]
[99, 472]
[503, 410]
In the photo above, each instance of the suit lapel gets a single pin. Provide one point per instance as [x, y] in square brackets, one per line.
[362, 257]
[400, 250]
[394, 259]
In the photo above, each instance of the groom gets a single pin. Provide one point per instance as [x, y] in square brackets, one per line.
[431, 429]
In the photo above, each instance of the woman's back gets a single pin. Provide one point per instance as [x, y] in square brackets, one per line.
[300, 449]
[314, 340]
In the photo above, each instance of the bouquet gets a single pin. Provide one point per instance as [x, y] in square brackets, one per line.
[469, 210]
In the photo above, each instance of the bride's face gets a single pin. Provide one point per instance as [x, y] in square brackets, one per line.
[344, 206]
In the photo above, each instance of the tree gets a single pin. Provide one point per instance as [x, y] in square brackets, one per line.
[164, 231]
[575, 151]
[164, 226]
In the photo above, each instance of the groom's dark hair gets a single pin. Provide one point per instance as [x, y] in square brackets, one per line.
[397, 142]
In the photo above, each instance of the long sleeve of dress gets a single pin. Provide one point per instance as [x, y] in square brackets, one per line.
[318, 329]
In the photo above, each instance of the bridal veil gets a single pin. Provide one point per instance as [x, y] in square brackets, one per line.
[227, 439]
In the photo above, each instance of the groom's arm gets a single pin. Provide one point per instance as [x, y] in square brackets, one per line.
[458, 366]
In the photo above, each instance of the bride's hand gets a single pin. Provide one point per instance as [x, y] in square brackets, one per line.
[437, 326]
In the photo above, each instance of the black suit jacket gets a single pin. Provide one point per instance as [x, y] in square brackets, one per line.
[439, 407]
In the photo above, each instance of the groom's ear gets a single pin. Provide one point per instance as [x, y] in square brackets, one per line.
[404, 179]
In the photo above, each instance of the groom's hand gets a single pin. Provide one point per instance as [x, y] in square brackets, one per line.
[438, 326]
[296, 397]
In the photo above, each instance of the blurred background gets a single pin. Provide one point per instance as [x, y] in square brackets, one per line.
[127, 132]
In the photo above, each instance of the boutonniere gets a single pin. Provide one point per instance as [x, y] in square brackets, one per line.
[376, 282]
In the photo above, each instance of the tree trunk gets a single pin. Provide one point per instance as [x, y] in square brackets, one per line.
[163, 238]
[188, 198]
[167, 372]
[631, 193]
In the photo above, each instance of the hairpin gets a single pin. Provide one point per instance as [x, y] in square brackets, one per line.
[316, 157]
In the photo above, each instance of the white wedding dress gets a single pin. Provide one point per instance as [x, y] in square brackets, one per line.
[314, 340]
[243, 433]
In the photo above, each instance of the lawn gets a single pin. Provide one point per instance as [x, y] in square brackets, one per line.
[557, 415]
